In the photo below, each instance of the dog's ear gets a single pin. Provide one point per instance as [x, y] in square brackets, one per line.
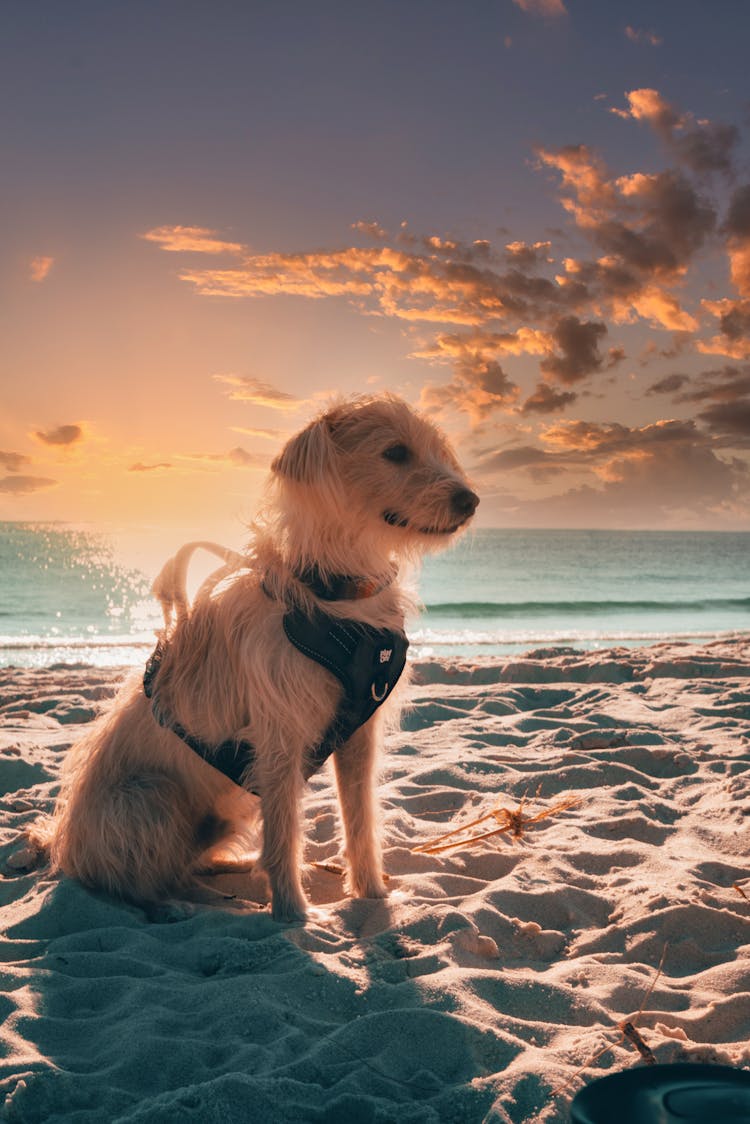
[308, 455]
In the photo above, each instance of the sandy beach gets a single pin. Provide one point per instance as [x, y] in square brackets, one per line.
[494, 980]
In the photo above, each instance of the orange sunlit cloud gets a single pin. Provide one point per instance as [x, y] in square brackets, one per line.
[191, 239]
[547, 8]
[258, 393]
[40, 267]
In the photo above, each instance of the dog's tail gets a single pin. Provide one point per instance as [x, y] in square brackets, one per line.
[170, 584]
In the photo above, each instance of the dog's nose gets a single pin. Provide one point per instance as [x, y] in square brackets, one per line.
[464, 502]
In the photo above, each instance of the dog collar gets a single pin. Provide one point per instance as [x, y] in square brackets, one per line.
[341, 587]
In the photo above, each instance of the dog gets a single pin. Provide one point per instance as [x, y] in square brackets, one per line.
[353, 500]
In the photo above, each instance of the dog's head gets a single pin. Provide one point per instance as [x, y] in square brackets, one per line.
[375, 467]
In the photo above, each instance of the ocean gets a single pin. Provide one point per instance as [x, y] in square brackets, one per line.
[72, 595]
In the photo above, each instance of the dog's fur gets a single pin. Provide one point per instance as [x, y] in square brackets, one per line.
[139, 812]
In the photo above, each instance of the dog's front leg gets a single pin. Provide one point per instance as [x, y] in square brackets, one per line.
[282, 841]
[355, 764]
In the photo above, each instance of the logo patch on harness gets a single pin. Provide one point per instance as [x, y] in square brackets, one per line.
[385, 654]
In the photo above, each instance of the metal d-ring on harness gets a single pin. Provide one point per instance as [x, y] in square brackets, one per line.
[367, 661]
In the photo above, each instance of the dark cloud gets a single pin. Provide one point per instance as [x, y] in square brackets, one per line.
[140, 467]
[731, 417]
[578, 344]
[708, 147]
[737, 222]
[13, 462]
[62, 435]
[520, 456]
[727, 384]
[668, 385]
[735, 322]
[546, 400]
[24, 485]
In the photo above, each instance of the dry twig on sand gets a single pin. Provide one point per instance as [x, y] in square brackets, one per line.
[627, 1029]
[511, 821]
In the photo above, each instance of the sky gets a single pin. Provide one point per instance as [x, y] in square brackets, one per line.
[531, 218]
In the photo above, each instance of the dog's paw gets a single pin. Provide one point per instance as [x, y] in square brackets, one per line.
[288, 912]
[374, 887]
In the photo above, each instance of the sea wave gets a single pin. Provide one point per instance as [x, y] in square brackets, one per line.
[473, 609]
[428, 642]
[130, 640]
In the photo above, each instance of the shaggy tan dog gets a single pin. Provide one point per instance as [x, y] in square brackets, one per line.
[359, 493]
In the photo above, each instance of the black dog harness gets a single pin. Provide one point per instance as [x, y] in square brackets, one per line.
[367, 661]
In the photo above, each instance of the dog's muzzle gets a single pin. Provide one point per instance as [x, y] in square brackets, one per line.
[463, 502]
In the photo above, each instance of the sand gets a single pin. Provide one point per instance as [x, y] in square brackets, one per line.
[483, 988]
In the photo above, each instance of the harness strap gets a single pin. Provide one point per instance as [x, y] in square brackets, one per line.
[232, 757]
[367, 661]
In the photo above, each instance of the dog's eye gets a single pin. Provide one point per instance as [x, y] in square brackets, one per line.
[398, 454]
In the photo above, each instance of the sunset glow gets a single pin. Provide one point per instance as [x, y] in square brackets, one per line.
[213, 228]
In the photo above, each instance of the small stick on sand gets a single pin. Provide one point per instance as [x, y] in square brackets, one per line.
[633, 1036]
[512, 820]
[627, 1029]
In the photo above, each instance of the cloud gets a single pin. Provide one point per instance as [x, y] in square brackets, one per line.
[650, 225]
[545, 400]
[258, 393]
[610, 438]
[669, 471]
[457, 346]
[668, 385]
[527, 256]
[737, 228]
[13, 462]
[236, 458]
[264, 434]
[738, 216]
[728, 417]
[40, 267]
[479, 387]
[62, 435]
[140, 467]
[727, 384]
[191, 239]
[702, 145]
[578, 345]
[24, 485]
[480, 308]
[647, 227]
[727, 392]
[243, 459]
[648, 105]
[546, 8]
[640, 35]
